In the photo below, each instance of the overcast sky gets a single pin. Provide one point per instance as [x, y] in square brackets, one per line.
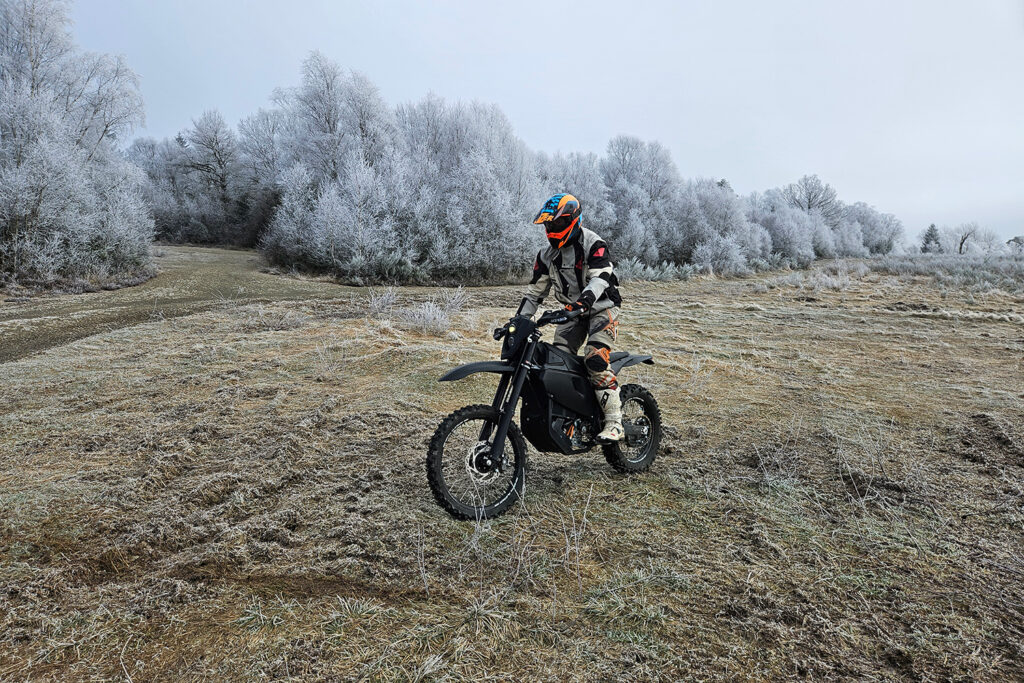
[916, 107]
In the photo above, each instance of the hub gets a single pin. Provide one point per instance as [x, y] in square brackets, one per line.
[480, 466]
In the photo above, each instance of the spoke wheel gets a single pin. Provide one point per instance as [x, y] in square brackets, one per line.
[464, 479]
[641, 419]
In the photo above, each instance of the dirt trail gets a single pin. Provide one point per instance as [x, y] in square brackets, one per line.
[191, 280]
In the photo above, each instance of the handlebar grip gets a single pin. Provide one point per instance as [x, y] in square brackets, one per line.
[558, 317]
[499, 332]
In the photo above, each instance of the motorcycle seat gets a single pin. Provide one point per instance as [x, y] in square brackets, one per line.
[575, 362]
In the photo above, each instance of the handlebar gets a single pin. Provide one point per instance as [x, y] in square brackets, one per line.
[548, 317]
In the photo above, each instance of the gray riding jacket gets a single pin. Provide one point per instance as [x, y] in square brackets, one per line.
[584, 265]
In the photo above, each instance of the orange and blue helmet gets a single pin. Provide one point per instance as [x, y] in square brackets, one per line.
[561, 219]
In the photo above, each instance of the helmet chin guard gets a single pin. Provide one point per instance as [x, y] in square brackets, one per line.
[560, 217]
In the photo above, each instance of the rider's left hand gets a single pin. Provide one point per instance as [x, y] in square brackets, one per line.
[584, 303]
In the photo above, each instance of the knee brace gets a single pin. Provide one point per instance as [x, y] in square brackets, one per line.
[599, 367]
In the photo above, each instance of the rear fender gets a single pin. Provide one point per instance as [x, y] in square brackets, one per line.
[472, 368]
[629, 359]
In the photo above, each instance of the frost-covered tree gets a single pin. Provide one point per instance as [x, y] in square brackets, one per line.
[167, 186]
[35, 44]
[960, 237]
[882, 231]
[643, 184]
[848, 237]
[810, 193]
[709, 213]
[931, 243]
[261, 157]
[197, 184]
[431, 190]
[969, 238]
[988, 242]
[213, 166]
[472, 190]
[331, 114]
[792, 229]
[70, 204]
[259, 142]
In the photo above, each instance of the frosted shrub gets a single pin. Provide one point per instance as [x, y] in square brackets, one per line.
[815, 281]
[629, 269]
[721, 256]
[977, 272]
[454, 300]
[291, 233]
[836, 283]
[822, 238]
[428, 317]
[381, 301]
[633, 269]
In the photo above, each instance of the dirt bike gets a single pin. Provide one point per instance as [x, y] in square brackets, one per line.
[476, 462]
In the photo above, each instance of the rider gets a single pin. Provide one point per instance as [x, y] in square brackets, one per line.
[578, 264]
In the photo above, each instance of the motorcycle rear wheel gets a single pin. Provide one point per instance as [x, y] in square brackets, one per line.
[641, 409]
[462, 480]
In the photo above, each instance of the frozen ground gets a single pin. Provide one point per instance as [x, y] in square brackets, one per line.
[220, 473]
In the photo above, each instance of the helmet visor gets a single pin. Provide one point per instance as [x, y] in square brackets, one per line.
[558, 224]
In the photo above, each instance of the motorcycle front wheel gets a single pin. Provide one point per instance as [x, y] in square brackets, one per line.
[464, 480]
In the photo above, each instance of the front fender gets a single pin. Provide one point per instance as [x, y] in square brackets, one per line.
[473, 368]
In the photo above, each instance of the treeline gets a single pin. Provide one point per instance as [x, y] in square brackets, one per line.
[71, 206]
[333, 179]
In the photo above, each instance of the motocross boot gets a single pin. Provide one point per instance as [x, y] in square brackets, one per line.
[611, 404]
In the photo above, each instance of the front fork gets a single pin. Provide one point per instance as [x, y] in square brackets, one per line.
[505, 401]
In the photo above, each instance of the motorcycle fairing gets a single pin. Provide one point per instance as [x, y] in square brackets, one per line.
[556, 395]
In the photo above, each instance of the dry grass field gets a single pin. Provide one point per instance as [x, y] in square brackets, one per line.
[225, 479]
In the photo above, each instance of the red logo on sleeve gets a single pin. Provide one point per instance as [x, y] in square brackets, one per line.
[599, 252]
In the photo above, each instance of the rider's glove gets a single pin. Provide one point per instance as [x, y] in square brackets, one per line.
[584, 303]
